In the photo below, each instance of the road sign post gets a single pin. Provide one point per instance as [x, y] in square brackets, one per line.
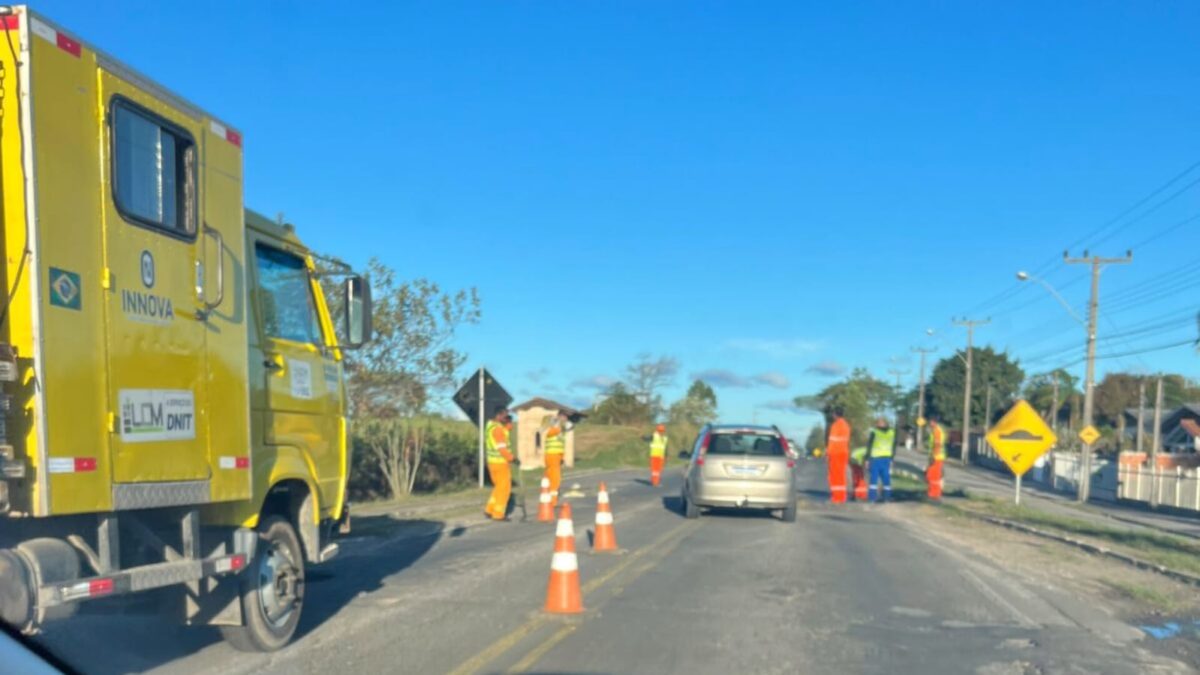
[1020, 437]
[480, 398]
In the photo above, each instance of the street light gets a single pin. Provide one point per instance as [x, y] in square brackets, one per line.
[1026, 276]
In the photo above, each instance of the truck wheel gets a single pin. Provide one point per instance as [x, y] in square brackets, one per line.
[272, 592]
[789, 512]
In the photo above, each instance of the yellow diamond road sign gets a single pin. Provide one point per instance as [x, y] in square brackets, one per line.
[1089, 434]
[1020, 437]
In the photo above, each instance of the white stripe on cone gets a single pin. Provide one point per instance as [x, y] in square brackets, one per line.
[546, 482]
[602, 498]
[544, 498]
[604, 518]
[564, 562]
[565, 529]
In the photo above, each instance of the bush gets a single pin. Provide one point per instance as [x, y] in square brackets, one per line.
[448, 461]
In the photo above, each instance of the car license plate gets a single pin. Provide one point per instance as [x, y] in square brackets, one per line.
[743, 470]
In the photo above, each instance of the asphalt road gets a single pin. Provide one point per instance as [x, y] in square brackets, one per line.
[845, 589]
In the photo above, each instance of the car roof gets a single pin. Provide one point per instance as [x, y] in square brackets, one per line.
[744, 427]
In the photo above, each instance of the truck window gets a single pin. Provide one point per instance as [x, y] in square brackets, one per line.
[152, 172]
[285, 296]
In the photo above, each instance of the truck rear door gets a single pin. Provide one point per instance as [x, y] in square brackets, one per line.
[152, 236]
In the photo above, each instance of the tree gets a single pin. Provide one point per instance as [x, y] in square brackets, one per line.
[620, 406]
[1039, 391]
[1115, 393]
[389, 380]
[1178, 390]
[646, 376]
[816, 438]
[698, 407]
[861, 396]
[945, 387]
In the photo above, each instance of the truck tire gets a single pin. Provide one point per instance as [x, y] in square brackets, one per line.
[272, 592]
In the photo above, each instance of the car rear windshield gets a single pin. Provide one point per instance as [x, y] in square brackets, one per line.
[745, 444]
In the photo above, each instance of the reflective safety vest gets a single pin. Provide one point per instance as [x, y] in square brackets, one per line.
[882, 441]
[494, 456]
[858, 455]
[554, 444]
[658, 445]
[937, 442]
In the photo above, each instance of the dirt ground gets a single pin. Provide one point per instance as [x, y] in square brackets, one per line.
[1159, 605]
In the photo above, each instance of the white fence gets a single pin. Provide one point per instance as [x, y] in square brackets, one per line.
[1177, 487]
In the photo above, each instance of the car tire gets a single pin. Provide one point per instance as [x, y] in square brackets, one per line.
[690, 510]
[270, 620]
[788, 514]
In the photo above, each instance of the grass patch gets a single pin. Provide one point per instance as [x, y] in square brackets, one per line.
[1145, 595]
[603, 446]
[1165, 549]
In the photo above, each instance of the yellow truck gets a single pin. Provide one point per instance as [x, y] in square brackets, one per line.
[172, 397]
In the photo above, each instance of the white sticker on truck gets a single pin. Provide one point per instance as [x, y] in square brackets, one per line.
[157, 415]
[301, 372]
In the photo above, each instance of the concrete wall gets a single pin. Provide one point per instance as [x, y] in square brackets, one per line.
[529, 423]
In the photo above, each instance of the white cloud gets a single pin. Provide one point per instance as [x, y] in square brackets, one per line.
[719, 377]
[826, 369]
[780, 349]
[538, 375]
[594, 382]
[781, 405]
[773, 379]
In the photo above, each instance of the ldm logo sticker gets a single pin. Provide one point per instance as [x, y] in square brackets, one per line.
[157, 415]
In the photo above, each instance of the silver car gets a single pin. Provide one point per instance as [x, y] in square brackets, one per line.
[742, 466]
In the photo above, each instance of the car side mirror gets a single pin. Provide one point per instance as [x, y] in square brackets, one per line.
[357, 315]
[684, 454]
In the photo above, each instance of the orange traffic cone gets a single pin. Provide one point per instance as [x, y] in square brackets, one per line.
[545, 507]
[605, 538]
[563, 595]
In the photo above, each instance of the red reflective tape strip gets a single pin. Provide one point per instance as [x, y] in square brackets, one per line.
[68, 45]
[242, 462]
[12, 22]
[233, 137]
[85, 464]
[100, 587]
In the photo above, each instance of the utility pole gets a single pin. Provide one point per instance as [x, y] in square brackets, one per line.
[966, 427]
[1098, 264]
[1141, 430]
[1054, 407]
[898, 373]
[921, 398]
[1158, 405]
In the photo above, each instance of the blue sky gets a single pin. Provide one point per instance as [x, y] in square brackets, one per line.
[768, 192]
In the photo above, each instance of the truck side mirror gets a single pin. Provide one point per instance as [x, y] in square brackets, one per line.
[358, 312]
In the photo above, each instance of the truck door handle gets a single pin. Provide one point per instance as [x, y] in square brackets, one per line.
[273, 363]
[216, 234]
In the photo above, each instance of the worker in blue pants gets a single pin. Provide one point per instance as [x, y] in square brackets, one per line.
[881, 447]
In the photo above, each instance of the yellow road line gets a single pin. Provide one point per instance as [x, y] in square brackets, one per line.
[539, 651]
[659, 552]
[499, 647]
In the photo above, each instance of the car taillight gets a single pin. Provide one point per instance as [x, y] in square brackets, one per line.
[786, 449]
[703, 448]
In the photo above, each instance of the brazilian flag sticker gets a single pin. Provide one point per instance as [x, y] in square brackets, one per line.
[65, 290]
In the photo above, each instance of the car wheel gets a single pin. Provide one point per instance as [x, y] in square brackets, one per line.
[690, 510]
[272, 590]
[789, 513]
